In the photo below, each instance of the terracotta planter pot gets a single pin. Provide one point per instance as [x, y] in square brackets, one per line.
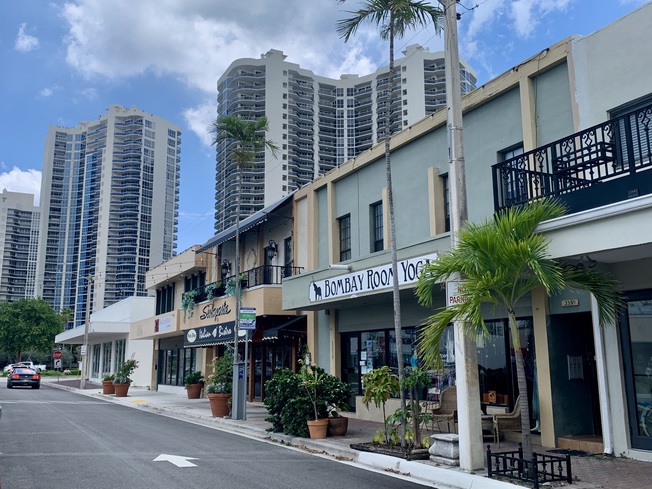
[318, 428]
[219, 404]
[121, 389]
[194, 390]
[338, 426]
[107, 387]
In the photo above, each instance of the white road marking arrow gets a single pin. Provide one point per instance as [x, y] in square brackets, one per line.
[177, 460]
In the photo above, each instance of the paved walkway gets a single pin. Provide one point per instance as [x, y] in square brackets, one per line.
[589, 472]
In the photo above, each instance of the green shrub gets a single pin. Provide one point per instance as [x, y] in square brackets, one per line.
[289, 405]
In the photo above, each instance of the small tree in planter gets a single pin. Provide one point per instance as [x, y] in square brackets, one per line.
[311, 379]
[122, 379]
[414, 416]
[379, 385]
[221, 384]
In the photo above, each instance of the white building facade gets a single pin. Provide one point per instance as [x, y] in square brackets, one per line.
[317, 122]
[19, 227]
[109, 196]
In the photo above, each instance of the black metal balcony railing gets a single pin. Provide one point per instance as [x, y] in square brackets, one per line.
[601, 165]
[264, 275]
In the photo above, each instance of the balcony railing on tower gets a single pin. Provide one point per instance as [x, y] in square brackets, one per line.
[604, 164]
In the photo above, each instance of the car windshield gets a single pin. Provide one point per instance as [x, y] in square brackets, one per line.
[22, 370]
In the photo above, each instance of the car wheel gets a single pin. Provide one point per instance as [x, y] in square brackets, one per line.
[9, 386]
[36, 387]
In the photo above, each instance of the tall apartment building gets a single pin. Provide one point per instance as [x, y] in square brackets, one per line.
[109, 196]
[317, 122]
[19, 226]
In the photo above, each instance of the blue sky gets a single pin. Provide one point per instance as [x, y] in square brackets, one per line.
[64, 62]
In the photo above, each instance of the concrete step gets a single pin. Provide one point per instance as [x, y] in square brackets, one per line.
[588, 443]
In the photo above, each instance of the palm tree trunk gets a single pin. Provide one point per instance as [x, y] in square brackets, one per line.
[392, 234]
[526, 437]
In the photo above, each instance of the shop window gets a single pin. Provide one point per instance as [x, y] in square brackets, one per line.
[345, 237]
[377, 227]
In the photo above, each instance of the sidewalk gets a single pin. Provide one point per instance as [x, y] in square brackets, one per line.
[589, 472]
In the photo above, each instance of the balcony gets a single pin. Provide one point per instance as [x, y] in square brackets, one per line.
[254, 277]
[601, 165]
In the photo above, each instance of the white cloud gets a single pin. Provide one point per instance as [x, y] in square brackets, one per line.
[24, 42]
[199, 120]
[196, 41]
[46, 92]
[25, 181]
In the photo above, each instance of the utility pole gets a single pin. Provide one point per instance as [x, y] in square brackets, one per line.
[466, 354]
[84, 373]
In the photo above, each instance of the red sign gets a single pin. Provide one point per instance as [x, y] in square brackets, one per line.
[56, 354]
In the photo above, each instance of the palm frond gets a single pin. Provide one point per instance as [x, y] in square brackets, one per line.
[402, 15]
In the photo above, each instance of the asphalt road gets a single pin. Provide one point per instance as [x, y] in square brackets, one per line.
[51, 438]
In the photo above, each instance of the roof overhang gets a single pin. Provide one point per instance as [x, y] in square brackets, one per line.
[245, 225]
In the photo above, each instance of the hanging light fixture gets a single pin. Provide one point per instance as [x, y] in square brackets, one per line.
[271, 250]
[226, 268]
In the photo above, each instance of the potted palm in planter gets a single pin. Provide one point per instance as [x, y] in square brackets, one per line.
[194, 383]
[107, 384]
[221, 384]
[122, 379]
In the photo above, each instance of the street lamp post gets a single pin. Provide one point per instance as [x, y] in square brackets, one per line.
[89, 284]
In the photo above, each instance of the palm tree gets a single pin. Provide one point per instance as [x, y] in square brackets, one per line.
[248, 136]
[501, 261]
[394, 17]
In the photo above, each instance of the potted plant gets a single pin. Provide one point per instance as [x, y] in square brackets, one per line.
[221, 384]
[107, 384]
[122, 379]
[311, 380]
[337, 424]
[194, 383]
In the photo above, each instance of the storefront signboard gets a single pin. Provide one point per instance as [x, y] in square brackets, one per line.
[369, 280]
[163, 324]
[209, 335]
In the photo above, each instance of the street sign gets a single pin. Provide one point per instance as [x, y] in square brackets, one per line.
[57, 354]
[57, 363]
[83, 350]
[248, 318]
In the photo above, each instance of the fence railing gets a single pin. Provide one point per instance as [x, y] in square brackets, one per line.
[617, 149]
[263, 275]
[541, 469]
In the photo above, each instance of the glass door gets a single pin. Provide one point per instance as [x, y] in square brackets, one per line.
[637, 345]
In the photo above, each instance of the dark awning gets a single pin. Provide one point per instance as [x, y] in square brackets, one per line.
[253, 220]
[272, 333]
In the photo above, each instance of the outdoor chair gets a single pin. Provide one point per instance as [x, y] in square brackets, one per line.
[447, 409]
[508, 422]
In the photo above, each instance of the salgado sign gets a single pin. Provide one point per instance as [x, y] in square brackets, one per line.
[369, 280]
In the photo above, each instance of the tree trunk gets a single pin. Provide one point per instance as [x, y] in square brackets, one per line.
[526, 437]
[392, 233]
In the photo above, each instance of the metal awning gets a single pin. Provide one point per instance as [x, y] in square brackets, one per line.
[253, 220]
[272, 333]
